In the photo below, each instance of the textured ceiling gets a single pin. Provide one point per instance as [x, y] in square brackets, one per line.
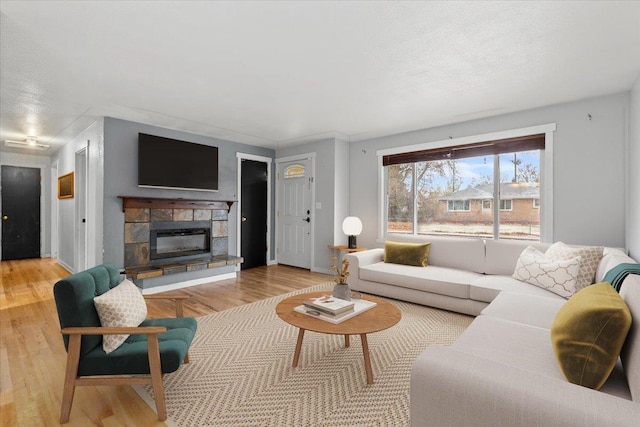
[276, 73]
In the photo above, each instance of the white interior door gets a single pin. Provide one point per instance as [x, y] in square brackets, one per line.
[294, 215]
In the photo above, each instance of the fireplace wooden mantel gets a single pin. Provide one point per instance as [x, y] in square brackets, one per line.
[162, 203]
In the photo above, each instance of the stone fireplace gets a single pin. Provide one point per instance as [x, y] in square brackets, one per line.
[164, 236]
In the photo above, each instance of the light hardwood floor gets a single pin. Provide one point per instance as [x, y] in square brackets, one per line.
[32, 355]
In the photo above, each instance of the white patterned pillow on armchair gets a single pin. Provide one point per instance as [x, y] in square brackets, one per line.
[557, 276]
[123, 305]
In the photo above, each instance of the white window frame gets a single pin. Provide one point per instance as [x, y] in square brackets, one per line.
[467, 202]
[536, 203]
[510, 208]
[546, 171]
[486, 200]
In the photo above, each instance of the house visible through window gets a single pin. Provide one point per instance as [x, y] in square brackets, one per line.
[451, 190]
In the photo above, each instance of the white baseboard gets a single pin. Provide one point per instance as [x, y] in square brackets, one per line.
[188, 283]
[66, 267]
[272, 262]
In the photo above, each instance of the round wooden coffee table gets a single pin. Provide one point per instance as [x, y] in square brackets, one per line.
[383, 316]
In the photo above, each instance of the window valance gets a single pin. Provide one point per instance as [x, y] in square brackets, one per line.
[501, 146]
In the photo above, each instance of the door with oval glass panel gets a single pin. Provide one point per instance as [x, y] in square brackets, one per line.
[294, 215]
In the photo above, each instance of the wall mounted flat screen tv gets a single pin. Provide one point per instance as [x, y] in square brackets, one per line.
[169, 163]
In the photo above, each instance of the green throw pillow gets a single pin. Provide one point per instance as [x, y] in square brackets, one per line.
[406, 253]
[588, 333]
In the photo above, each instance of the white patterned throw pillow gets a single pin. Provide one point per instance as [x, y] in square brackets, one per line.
[118, 307]
[591, 256]
[559, 277]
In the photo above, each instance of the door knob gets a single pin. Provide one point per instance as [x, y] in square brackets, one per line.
[307, 219]
[4, 217]
[243, 219]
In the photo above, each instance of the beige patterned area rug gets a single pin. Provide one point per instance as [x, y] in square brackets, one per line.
[240, 372]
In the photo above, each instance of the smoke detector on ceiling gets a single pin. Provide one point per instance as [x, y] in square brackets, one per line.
[30, 143]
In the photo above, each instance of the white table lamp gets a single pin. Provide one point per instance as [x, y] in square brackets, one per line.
[352, 227]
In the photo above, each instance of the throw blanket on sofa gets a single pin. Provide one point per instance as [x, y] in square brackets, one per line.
[617, 274]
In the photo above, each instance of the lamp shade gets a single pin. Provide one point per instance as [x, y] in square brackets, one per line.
[352, 226]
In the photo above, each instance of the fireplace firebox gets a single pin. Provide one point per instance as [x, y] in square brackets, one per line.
[180, 240]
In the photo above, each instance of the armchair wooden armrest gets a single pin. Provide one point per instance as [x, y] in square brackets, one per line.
[136, 330]
[176, 298]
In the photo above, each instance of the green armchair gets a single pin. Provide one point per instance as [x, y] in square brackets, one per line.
[156, 347]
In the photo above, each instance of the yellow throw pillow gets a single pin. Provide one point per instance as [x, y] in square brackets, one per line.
[407, 253]
[588, 333]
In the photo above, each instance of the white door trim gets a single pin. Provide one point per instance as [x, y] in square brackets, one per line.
[268, 161]
[312, 157]
[54, 209]
[80, 209]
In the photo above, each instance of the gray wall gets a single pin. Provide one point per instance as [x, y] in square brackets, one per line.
[121, 178]
[329, 174]
[589, 157]
[633, 218]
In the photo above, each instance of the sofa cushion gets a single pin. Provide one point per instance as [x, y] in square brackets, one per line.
[406, 253]
[557, 276]
[531, 310]
[487, 287]
[610, 258]
[502, 255]
[463, 253]
[438, 280]
[493, 339]
[588, 332]
[590, 259]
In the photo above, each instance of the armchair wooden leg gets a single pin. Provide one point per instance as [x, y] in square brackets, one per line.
[156, 376]
[71, 373]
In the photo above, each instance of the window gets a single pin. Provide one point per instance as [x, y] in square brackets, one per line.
[451, 190]
[506, 205]
[458, 205]
[294, 171]
[536, 203]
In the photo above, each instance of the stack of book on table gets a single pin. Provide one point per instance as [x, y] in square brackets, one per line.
[326, 304]
[333, 310]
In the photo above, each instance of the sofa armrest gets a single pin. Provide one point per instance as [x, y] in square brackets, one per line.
[452, 388]
[360, 259]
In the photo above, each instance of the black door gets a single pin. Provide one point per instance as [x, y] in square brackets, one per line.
[20, 212]
[253, 228]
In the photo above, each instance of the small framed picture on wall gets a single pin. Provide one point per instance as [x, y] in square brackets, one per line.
[65, 186]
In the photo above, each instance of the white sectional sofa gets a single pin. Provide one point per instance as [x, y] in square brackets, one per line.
[502, 371]
[462, 275]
